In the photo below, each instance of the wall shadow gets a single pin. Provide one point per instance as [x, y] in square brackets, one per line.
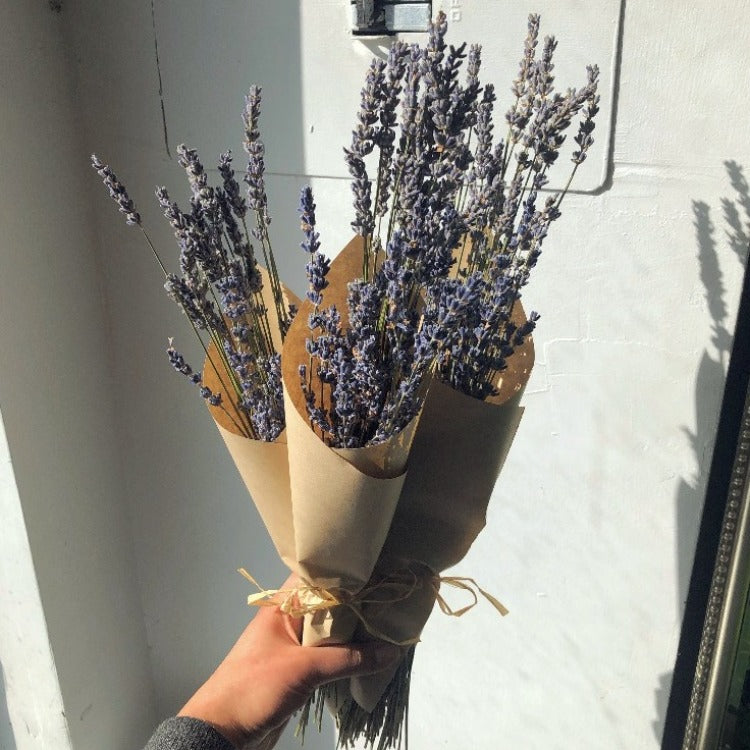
[153, 75]
[699, 501]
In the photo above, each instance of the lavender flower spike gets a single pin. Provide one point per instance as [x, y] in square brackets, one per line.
[307, 220]
[188, 159]
[318, 265]
[117, 191]
[231, 188]
[256, 167]
[584, 138]
[178, 362]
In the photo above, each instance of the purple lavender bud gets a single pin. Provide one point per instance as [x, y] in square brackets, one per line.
[525, 329]
[317, 269]
[178, 362]
[584, 139]
[364, 221]
[188, 159]
[256, 166]
[473, 65]
[117, 191]
[520, 84]
[363, 136]
[231, 187]
[542, 79]
[172, 213]
[436, 41]
[307, 220]
[184, 295]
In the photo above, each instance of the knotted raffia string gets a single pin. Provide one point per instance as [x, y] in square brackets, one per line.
[306, 599]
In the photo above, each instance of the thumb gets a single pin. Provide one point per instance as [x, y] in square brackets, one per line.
[329, 663]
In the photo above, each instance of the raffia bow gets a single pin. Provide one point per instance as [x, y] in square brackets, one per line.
[306, 598]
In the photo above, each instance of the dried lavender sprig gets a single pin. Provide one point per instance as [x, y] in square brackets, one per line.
[520, 112]
[119, 194]
[584, 139]
[544, 136]
[208, 271]
[200, 236]
[318, 265]
[253, 145]
[541, 79]
[178, 362]
[520, 83]
[363, 142]
[117, 191]
[172, 213]
[257, 198]
[214, 399]
[386, 135]
[311, 243]
[473, 66]
[188, 159]
[231, 186]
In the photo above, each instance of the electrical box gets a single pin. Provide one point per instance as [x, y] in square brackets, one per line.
[384, 17]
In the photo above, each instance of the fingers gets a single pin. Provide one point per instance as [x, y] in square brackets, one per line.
[294, 627]
[272, 615]
[328, 663]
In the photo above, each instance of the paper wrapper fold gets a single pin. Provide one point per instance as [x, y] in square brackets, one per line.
[343, 500]
[341, 518]
[263, 466]
[458, 452]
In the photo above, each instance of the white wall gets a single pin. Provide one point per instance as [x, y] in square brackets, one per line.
[592, 528]
[56, 389]
[31, 707]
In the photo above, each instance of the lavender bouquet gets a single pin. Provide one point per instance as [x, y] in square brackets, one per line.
[371, 420]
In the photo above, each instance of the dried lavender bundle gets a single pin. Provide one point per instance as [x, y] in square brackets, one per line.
[455, 227]
[451, 221]
[219, 287]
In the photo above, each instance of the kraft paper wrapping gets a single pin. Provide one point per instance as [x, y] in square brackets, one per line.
[343, 500]
[339, 517]
[263, 466]
[458, 452]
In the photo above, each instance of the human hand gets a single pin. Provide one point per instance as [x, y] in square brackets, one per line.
[268, 675]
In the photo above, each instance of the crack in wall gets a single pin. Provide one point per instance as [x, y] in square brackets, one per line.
[161, 88]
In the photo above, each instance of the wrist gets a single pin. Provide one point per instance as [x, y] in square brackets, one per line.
[211, 714]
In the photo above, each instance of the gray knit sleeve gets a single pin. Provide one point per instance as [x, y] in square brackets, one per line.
[184, 733]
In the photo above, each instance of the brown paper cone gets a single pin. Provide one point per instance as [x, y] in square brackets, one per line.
[262, 465]
[401, 622]
[343, 500]
[341, 514]
[458, 452]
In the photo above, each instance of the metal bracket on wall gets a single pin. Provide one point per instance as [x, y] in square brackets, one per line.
[385, 17]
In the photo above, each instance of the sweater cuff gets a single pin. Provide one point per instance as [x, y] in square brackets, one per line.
[186, 733]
